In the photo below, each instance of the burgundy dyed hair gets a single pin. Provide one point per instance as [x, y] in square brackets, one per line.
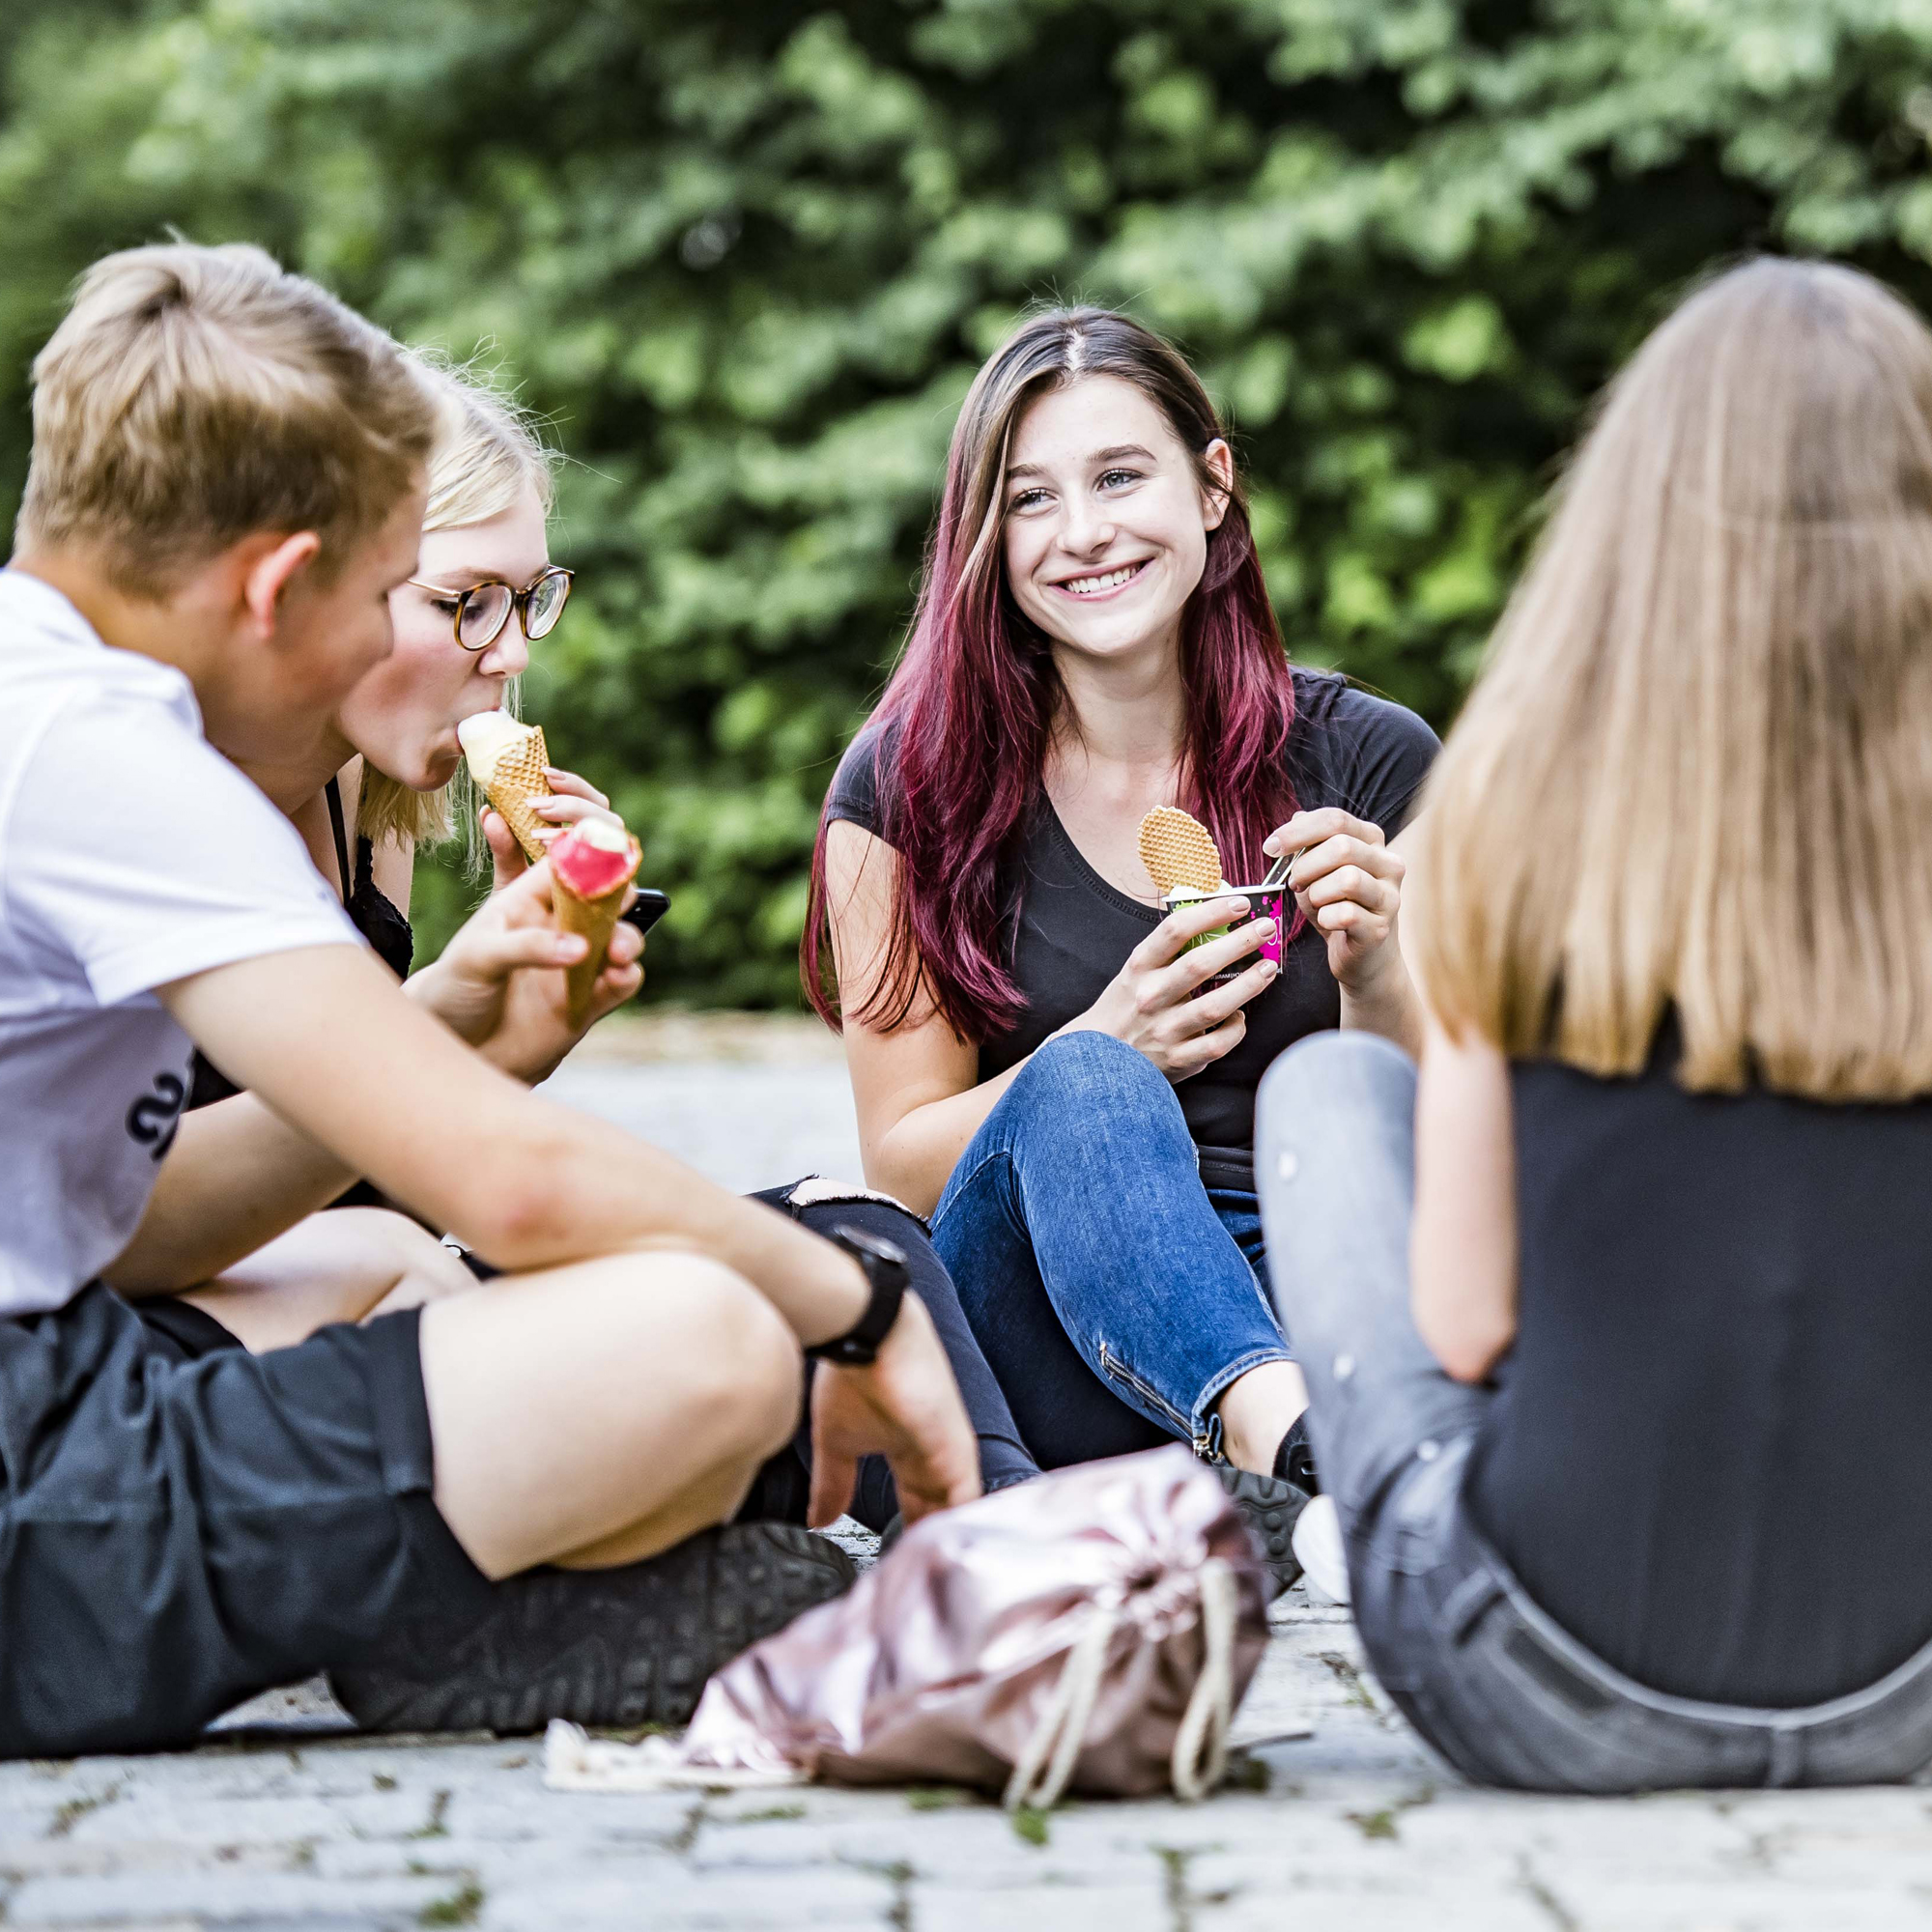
[967, 716]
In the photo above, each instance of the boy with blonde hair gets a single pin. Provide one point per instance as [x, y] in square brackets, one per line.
[227, 481]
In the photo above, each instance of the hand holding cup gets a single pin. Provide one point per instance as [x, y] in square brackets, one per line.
[1162, 1003]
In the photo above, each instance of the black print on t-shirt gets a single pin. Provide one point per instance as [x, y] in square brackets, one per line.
[155, 1119]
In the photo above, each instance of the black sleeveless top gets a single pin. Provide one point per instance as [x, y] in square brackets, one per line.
[1070, 931]
[1711, 1457]
[391, 937]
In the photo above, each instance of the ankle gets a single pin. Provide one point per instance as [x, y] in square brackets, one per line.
[1257, 1409]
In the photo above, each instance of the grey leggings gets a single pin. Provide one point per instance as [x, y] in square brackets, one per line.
[1490, 1682]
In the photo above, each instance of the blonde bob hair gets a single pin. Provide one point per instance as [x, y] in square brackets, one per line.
[489, 452]
[1696, 771]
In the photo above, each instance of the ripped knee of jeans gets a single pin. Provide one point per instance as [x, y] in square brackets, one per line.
[818, 1190]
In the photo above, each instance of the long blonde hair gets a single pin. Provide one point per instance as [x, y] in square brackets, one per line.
[489, 451]
[1696, 771]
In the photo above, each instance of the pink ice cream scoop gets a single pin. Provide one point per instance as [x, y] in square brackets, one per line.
[594, 857]
[591, 866]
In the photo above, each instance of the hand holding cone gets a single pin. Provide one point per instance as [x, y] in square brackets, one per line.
[591, 867]
[508, 762]
[1180, 852]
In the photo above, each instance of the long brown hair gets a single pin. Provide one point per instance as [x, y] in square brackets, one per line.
[1696, 772]
[970, 710]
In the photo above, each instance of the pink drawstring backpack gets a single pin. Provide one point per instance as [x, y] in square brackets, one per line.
[1092, 1631]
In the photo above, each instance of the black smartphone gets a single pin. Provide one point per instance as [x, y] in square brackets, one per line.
[649, 906]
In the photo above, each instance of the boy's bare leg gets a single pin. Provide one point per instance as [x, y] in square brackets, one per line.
[346, 1264]
[598, 1413]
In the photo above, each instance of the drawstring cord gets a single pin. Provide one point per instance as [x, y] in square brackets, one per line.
[575, 1762]
[1199, 1746]
[1063, 1725]
[1200, 1758]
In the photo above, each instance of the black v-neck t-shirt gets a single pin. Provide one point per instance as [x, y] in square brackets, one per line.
[1072, 931]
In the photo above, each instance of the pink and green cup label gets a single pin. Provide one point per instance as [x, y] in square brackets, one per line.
[1264, 902]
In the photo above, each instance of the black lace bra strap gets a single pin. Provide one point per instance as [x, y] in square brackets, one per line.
[332, 791]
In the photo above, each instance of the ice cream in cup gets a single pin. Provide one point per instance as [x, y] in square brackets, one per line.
[1264, 902]
[1183, 861]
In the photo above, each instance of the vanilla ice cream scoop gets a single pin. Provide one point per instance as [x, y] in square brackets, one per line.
[508, 762]
[487, 736]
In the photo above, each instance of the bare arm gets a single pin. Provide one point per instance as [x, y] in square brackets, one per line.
[1386, 1001]
[236, 1178]
[526, 1184]
[1389, 1008]
[1462, 1248]
[237, 1175]
[914, 1088]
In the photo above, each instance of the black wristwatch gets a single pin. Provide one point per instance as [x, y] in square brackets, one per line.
[886, 1270]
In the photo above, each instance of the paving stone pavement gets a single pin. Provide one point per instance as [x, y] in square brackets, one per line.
[285, 1820]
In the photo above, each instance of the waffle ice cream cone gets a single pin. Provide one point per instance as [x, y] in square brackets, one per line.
[508, 760]
[1180, 852]
[592, 867]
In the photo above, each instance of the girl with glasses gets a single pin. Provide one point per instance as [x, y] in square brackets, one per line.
[384, 781]
[484, 592]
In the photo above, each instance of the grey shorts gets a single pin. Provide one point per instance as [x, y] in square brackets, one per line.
[181, 1527]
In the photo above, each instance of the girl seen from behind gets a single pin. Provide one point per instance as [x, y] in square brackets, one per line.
[1664, 1180]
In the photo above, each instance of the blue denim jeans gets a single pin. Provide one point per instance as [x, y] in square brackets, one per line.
[1112, 1295]
[1498, 1688]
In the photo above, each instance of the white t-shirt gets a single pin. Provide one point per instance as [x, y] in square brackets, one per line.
[131, 853]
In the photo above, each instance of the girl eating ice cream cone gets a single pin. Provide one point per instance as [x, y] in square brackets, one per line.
[380, 783]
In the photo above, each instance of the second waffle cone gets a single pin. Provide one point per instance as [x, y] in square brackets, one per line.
[596, 920]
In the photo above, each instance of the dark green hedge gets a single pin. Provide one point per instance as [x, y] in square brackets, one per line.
[745, 255]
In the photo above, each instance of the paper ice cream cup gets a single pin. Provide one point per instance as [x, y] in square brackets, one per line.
[1264, 902]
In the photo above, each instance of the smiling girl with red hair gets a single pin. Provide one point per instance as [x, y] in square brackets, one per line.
[1034, 1056]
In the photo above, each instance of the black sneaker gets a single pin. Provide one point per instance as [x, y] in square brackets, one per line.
[631, 1645]
[1272, 1506]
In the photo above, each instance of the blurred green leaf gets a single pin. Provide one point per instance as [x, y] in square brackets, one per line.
[744, 259]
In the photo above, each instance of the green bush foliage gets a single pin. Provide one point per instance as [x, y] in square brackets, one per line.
[746, 256]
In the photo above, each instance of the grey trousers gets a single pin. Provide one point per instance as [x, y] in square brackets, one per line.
[1492, 1684]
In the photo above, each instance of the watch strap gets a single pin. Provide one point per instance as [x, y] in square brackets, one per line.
[888, 1277]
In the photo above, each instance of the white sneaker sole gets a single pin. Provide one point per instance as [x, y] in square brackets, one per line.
[1318, 1548]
